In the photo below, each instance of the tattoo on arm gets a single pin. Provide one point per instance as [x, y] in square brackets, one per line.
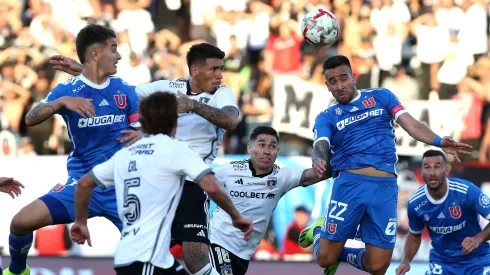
[321, 150]
[226, 118]
[307, 179]
[40, 113]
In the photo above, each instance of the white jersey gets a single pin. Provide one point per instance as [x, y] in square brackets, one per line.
[149, 178]
[201, 135]
[256, 197]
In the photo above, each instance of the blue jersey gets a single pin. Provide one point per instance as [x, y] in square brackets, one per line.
[451, 219]
[361, 132]
[95, 140]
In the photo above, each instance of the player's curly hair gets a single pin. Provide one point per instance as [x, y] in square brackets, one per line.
[90, 35]
[200, 52]
[158, 113]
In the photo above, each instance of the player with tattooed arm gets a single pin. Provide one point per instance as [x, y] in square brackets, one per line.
[99, 110]
[358, 130]
[206, 109]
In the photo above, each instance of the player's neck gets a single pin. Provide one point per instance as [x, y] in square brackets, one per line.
[94, 75]
[438, 193]
[195, 89]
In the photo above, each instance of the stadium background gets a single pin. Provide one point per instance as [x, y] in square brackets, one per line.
[433, 54]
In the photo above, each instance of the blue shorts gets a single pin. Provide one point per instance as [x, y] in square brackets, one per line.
[61, 203]
[479, 265]
[364, 201]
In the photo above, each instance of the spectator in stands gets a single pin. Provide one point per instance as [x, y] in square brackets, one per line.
[291, 246]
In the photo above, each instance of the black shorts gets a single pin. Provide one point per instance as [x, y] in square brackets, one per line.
[226, 262]
[192, 216]
[150, 269]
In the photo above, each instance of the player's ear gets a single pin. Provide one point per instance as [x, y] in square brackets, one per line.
[354, 78]
[194, 70]
[249, 150]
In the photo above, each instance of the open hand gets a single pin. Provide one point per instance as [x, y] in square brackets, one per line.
[454, 148]
[10, 186]
[131, 136]
[65, 64]
[80, 105]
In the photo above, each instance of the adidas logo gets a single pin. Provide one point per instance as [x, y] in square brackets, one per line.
[240, 181]
[354, 109]
[441, 216]
[104, 103]
[201, 234]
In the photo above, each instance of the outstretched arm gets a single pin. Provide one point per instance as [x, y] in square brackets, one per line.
[66, 64]
[421, 132]
[226, 117]
[309, 177]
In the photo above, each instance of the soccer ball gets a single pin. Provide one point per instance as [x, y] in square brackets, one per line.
[320, 27]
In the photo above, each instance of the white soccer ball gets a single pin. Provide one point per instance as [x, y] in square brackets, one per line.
[320, 27]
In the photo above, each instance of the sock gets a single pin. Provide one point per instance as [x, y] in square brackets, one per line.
[19, 247]
[353, 256]
[207, 270]
[316, 240]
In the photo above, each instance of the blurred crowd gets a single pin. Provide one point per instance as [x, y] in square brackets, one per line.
[412, 47]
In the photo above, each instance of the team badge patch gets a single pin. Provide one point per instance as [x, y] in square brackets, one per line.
[484, 200]
[271, 183]
[204, 100]
[338, 111]
[226, 270]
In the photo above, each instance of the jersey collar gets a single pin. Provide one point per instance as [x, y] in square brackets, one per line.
[94, 85]
[432, 200]
[254, 173]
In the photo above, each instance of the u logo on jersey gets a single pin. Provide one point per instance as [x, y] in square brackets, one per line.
[120, 101]
[455, 212]
[369, 103]
[332, 228]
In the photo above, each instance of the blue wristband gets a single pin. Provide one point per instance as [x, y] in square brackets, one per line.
[437, 141]
[317, 158]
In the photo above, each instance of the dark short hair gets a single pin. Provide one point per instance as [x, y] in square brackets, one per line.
[301, 208]
[158, 113]
[336, 61]
[434, 153]
[200, 52]
[90, 35]
[263, 130]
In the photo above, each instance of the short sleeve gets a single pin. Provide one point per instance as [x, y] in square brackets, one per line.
[415, 223]
[225, 97]
[221, 173]
[59, 91]
[392, 103]
[290, 177]
[478, 200]
[133, 101]
[103, 173]
[187, 162]
[322, 130]
[150, 88]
